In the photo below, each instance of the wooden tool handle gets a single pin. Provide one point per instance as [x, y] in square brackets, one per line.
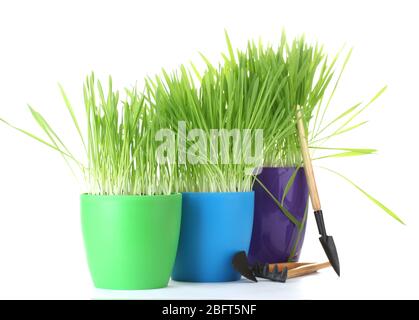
[289, 265]
[308, 168]
[308, 269]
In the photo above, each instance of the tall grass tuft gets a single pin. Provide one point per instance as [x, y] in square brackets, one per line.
[119, 143]
[309, 78]
[227, 98]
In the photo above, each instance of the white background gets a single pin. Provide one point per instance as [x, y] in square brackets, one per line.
[43, 42]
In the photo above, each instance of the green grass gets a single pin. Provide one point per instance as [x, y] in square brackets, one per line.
[119, 143]
[226, 100]
[259, 87]
[304, 76]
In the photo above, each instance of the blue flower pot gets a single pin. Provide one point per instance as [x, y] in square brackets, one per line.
[214, 227]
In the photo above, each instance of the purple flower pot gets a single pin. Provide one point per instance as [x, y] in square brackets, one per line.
[279, 224]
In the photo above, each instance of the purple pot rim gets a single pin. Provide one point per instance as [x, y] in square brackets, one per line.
[270, 167]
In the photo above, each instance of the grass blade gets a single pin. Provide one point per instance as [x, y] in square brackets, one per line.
[41, 141]
[73, 116]
[374, 200]
[289, 184]
[288, 214]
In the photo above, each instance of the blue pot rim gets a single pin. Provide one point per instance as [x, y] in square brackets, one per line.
[217, 194]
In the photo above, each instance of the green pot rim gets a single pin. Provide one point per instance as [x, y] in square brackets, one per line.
[130, 196]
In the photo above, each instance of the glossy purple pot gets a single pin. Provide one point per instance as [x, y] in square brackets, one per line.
[279, 224]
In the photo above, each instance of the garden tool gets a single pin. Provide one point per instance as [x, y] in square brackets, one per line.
[274, 271]
[280, 274]
[288, 265]
[307, 269]
[241, 265]
[326, 241]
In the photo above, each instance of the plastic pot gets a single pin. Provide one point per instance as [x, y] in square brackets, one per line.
[214, 227]
[275, 238]
[131, 241]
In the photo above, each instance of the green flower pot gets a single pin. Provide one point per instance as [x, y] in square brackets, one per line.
[131, 241]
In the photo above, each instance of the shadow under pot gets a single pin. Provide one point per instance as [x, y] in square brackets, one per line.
[131, 241]
[279, 222]
[215, 226]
